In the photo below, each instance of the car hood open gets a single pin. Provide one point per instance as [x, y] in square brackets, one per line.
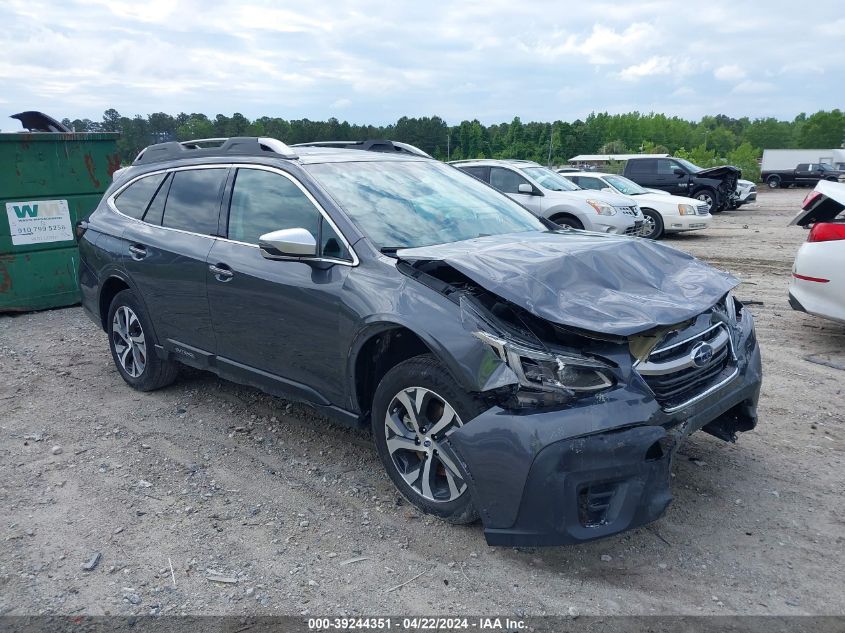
[591, 281]
[720, 172]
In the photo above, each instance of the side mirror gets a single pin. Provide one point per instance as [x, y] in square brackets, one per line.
[525, 188]
[678, 172]
[288, 243]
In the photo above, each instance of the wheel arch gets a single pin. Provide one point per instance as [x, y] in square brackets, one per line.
[381, 345]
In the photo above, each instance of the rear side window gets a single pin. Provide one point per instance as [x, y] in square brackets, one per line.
[478, 172]
[193, 203]
[264, 201]
[641, 166]
[505, 180]
[156, 209]
[134, 200]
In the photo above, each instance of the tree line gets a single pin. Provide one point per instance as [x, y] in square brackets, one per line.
[709, 141]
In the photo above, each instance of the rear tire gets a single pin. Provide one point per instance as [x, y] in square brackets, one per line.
[773, 182]
[653, 224]
[132, 345]
[567, 221]
[415, 406]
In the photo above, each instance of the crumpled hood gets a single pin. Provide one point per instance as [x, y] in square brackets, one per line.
[596, 282]
[720, 171]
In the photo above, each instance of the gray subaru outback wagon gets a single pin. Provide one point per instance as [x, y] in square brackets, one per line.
[536, 377]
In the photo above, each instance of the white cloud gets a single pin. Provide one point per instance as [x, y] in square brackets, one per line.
[375, 61]
[729, 72]
[603, 45]
[752, 87]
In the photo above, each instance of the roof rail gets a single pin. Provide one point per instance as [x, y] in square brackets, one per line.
[237, 145]
[370, 145]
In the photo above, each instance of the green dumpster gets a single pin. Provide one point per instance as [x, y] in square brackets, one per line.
[48, 181]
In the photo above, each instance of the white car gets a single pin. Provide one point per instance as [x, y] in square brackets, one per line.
[818, 274]
[746, 192]
[662, 212]
[549, 195]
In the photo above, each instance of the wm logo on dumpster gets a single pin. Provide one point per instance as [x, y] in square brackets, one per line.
[26, 210]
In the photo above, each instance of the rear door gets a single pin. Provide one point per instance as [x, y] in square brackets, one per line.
[277, 321]
[167, 258]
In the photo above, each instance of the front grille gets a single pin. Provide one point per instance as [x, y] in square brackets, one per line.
[702, 209]
[681, 373]
[636, 230]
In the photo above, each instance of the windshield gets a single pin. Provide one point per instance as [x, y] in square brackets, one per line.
[549, 179]
[625, 186]
[399, 204]
[690, 167]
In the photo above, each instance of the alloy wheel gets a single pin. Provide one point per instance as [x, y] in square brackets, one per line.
[649, 226]
[415, 424]
[128, 340]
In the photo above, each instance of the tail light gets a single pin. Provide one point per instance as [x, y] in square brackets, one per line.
[826, 232]
[810, 198]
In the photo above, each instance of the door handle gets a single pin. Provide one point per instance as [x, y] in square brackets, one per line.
[138, 251]
[221, 271]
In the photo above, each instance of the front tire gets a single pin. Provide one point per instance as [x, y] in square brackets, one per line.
[708, 196]
[653, 224]
[773, 182]
[567, 221]
[132, 345]
[416, 405]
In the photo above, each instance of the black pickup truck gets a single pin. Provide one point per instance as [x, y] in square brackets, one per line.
[715, 186]
[807, 174]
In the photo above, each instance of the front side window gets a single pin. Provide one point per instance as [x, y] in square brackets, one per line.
[505, 180]
[403, 204]
[134, 200]
[193, 203]
[585, 182]
[264, 201]
[665, 167]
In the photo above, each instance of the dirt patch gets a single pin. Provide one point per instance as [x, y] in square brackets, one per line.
[261, 507]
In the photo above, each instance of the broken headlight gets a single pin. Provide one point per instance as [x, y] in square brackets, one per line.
[546, 378]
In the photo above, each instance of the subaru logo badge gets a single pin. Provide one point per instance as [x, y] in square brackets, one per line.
[701, 354]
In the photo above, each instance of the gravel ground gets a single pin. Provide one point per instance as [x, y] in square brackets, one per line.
[261, 507]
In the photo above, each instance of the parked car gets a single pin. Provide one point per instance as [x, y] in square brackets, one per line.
[501, 361]
[746, 192]
[715, 186]
[818, 274]
[805, 174]
[549, 195]
[662, 212]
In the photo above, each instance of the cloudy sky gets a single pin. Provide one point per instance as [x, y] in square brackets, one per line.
[372, 62]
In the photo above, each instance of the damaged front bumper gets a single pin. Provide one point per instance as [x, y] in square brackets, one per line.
[597, 467]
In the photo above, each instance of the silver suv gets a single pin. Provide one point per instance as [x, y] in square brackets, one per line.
[551, 196]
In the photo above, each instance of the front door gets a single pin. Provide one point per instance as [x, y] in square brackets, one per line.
[507, 181]
[277, 321]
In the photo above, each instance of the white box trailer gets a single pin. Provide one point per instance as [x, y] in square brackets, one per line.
[784, 159]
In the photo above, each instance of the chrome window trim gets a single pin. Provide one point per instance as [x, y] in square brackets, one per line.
[110, 202]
